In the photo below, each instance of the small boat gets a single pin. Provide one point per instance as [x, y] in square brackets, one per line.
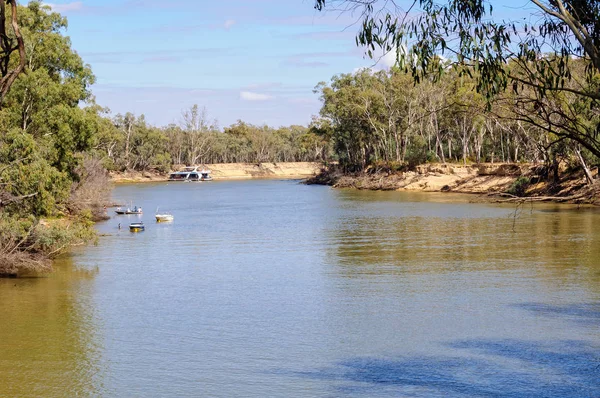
[136, 226]
[205, 175]
[136, 210]
[163, 217]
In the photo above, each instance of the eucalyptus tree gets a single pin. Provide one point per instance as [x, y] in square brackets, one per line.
[126, 125]
[346, 105]
[197, 128]
[48, 101]
[534, 57]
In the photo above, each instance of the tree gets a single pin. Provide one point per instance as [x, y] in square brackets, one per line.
[8, 72]
[196, 125]
[535, 59]
[48, 129]
[125, 124]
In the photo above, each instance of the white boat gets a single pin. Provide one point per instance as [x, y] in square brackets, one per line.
[191, 173]
[136, 210]
[163, 216]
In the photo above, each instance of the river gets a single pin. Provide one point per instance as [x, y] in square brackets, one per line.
[276, 289]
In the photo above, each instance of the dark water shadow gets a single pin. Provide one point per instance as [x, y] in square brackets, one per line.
[568, 209]
[479, 368]
[585, 313]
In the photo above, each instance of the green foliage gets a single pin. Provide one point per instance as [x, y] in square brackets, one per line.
[519, 186]
[27, 172]
[381, 117]
[416, 152]
[56, 236]
[13, 230]
[48, 123]
[506, 61]
[130, 143]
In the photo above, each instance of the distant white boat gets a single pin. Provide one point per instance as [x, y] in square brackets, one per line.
[191, 174]
[163, 216]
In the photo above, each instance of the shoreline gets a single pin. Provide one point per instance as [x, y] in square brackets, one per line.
[489, 182]
[231, 171]
[500, 182]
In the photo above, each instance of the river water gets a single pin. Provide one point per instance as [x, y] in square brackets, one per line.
[277, 289]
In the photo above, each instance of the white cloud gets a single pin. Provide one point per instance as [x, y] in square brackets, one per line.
[304, 101]
[74, 6]
[388, 59]
[263, 86]
[229, 23]
[381, 60]
[250, 96]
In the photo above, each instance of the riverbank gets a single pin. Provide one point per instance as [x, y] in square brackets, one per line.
[45, 239]
[231, 171]
[501, 182]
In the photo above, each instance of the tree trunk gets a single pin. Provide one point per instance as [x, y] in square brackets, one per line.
[9, 76]
[588, 174]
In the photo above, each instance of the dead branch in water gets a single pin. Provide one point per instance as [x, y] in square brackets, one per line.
[587, 195]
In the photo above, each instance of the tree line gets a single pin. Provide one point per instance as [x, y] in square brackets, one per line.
[128, 142]
[536, 74]
[385, 118]
[56, 143]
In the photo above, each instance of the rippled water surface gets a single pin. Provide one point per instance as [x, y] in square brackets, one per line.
[276, 289]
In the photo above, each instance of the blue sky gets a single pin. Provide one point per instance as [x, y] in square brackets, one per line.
[254, 60]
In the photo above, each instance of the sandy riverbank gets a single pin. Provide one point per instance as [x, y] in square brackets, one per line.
[488, 179]
[232, 171]
[434, 178]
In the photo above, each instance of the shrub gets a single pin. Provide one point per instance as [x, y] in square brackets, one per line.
[519, 186]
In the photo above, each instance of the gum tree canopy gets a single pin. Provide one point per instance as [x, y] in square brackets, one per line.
[549, 59]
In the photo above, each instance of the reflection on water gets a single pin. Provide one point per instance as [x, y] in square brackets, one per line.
[504, 368]
[271, 288]
[49, 345]
[395, 236]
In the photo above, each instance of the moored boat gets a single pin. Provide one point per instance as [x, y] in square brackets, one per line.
[205, 175]
[191, 173]
[136, 226]
[163, 216]
[136, 210]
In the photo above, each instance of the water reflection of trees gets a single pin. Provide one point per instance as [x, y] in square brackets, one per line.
[555, 243]
[48, 335]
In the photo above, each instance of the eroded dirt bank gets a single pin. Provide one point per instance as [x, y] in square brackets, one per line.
[506, 182]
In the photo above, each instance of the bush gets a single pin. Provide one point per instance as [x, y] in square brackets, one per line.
[386, 167]
[416, 152]
[92, 190]
[55, 236]
[519, 186]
